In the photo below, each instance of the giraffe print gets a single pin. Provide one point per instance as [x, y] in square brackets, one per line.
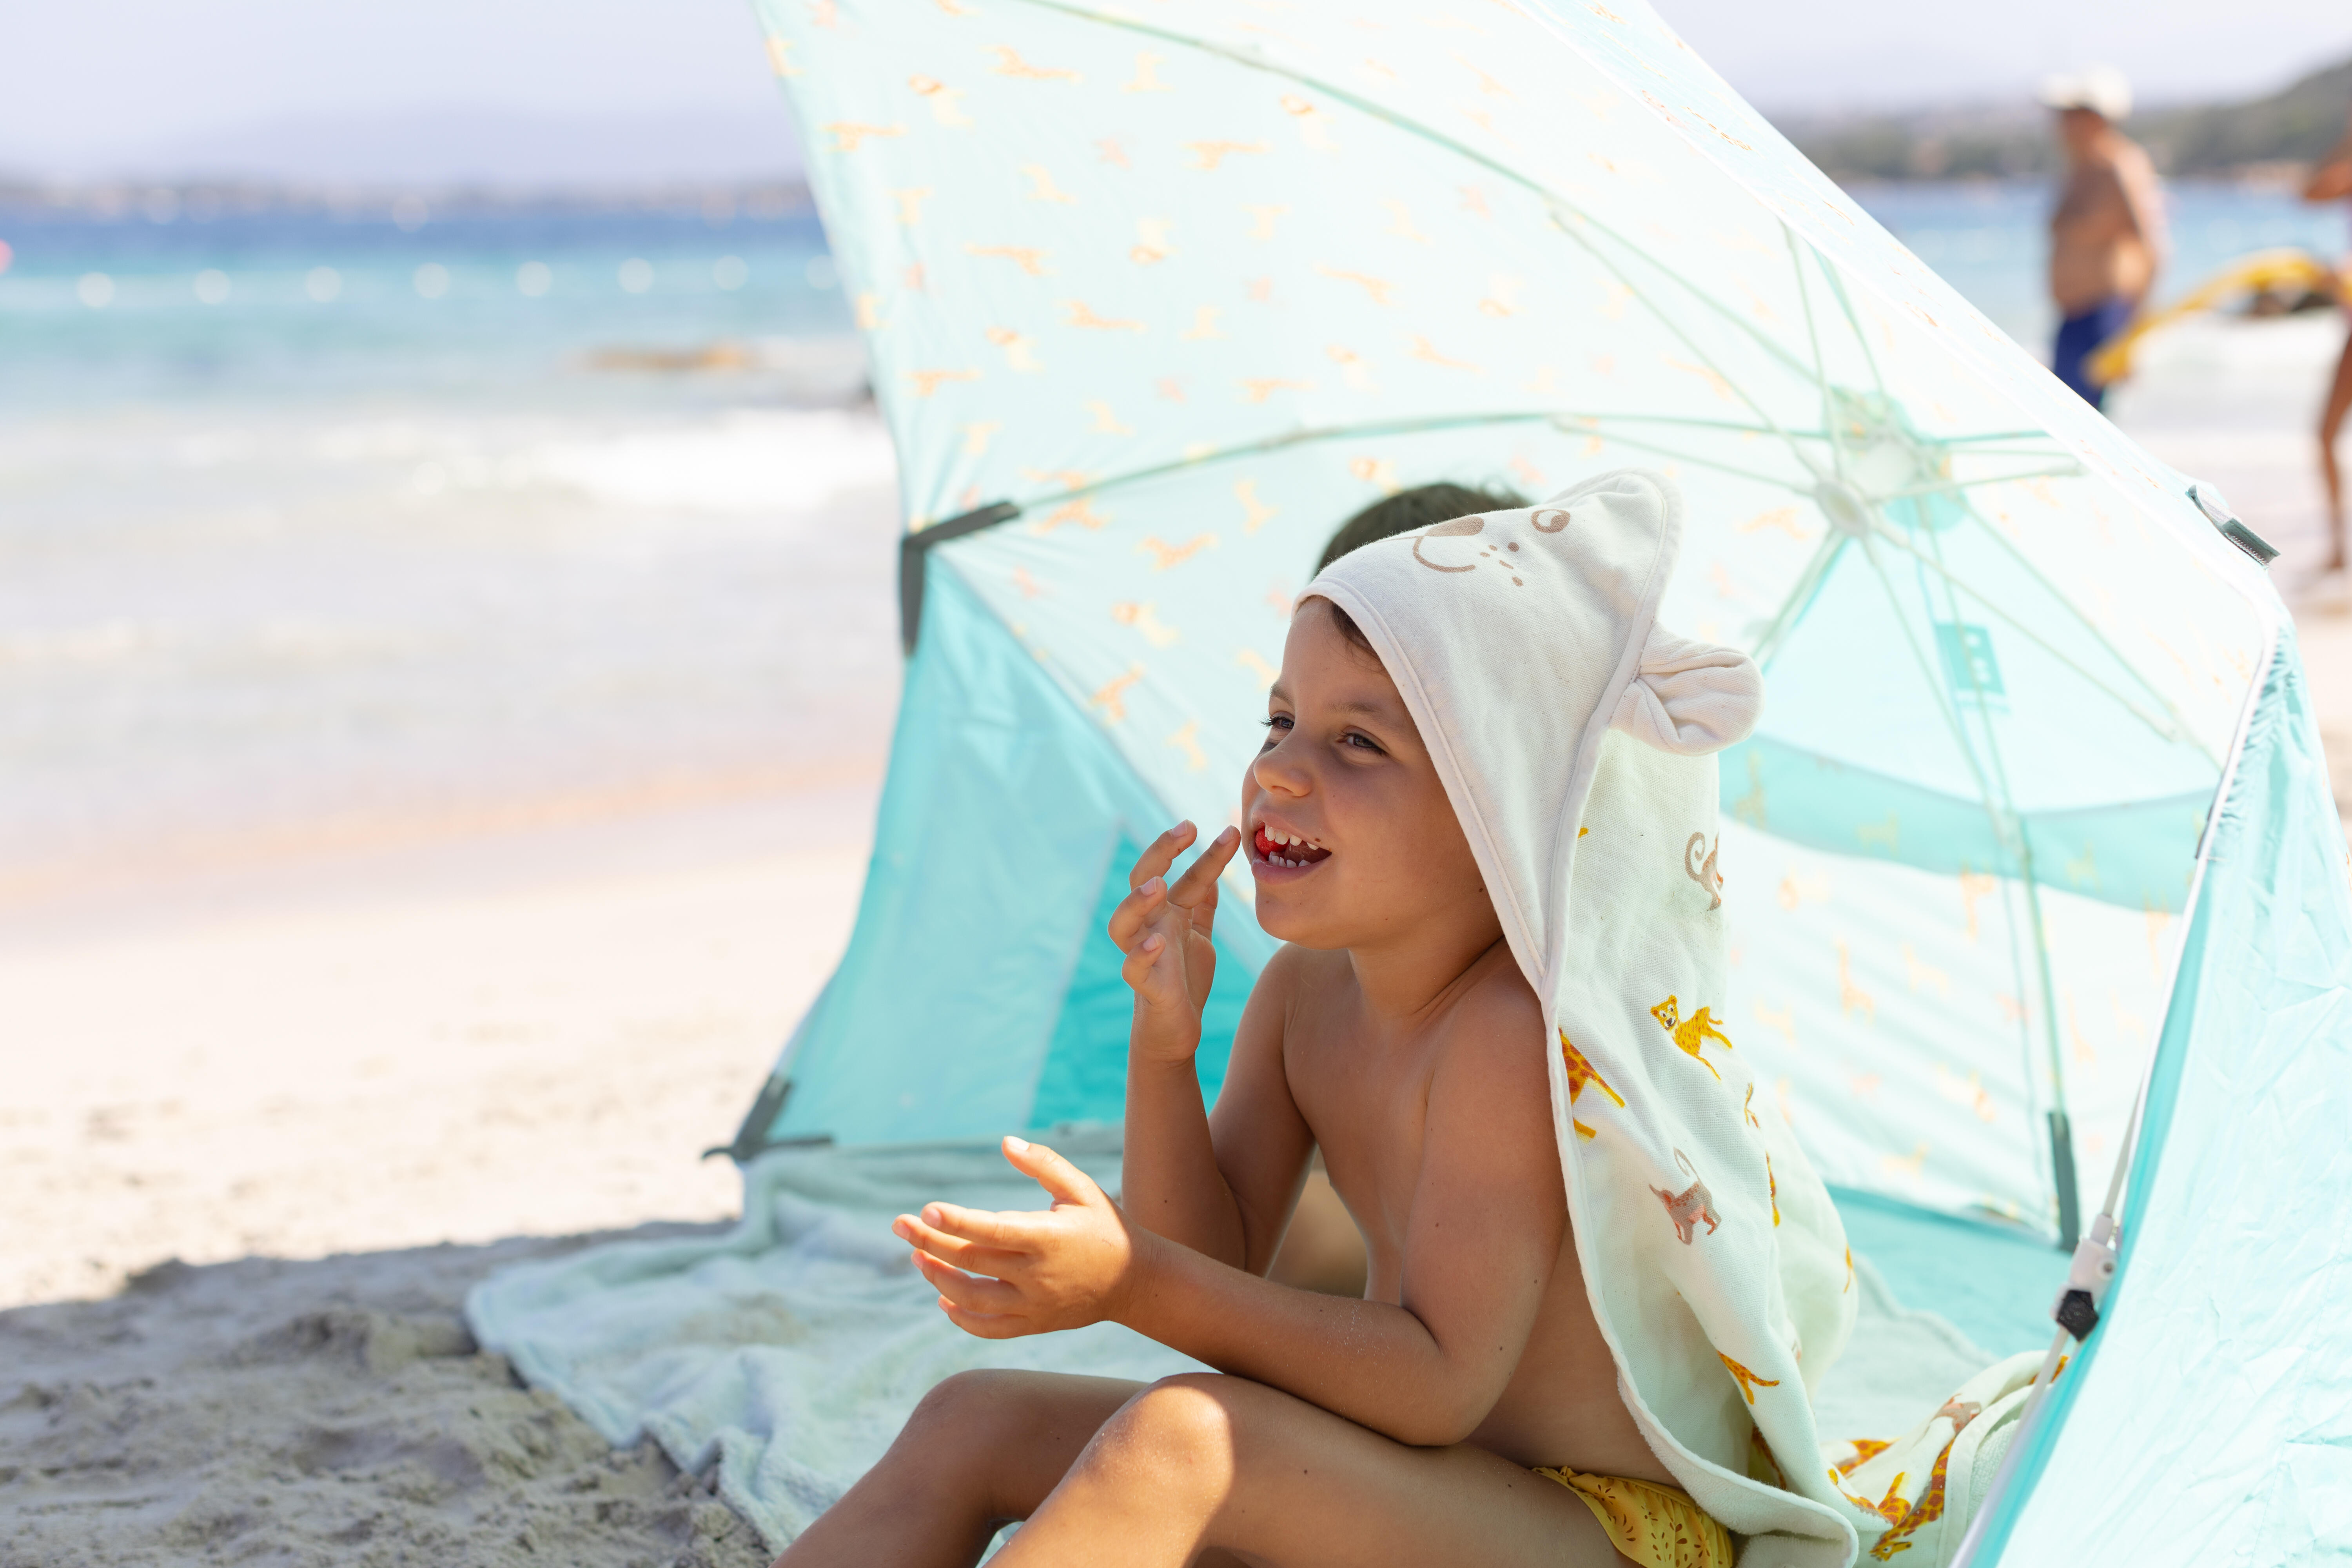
[1749, 1382]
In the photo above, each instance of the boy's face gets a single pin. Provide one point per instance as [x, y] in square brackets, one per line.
[1344, 770]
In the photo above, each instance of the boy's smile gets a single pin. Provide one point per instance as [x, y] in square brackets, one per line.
[1274, 850]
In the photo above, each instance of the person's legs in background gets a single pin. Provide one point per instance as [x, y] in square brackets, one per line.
[2331, 426]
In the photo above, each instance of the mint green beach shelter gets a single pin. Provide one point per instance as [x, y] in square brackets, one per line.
[2034, 870]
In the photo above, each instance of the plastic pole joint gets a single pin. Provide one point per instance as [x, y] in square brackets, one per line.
[2077, 1311]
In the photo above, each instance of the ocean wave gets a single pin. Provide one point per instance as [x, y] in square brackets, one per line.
[747, 461]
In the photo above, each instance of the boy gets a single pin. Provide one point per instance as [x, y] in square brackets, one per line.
[1322, 1250]
[1468, 1409]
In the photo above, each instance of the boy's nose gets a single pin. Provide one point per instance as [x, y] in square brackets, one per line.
[1274, 773]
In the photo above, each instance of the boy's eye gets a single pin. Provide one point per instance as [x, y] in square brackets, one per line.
[1353, 738]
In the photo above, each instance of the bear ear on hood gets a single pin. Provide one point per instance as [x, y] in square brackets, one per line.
[1690, 697]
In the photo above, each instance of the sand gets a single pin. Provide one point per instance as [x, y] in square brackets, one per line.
[250, 1110]
[331, 1413]
[534, 1046]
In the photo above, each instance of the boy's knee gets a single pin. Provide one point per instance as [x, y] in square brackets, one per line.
[960, 1408]
[955, 1397]
[1179, 1429]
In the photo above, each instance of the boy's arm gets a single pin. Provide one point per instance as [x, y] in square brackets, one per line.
[1224, 1186]
[1229, 1194]
[1489, 1215]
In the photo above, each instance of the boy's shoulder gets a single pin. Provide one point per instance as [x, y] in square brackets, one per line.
[1489, 1025]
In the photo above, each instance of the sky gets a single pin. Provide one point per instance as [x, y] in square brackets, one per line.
[166, 87]
[570, 89]
[1826, 57]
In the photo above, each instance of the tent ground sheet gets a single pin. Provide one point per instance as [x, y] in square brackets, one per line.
[784, 1355]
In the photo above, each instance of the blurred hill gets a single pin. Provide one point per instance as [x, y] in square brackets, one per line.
[2262, 136]
[457, 146]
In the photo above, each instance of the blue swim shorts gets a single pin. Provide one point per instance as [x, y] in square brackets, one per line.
[2080, 336]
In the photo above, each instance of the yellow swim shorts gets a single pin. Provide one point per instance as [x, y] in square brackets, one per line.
[1658, 1527]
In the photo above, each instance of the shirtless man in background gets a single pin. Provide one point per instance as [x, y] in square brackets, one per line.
[2106, 235]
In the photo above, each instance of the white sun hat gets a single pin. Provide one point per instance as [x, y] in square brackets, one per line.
[2103, 90]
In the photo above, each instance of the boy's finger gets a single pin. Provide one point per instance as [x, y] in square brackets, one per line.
[1204, 910]
[1200, 879]
[1050, 1171]
[986, 1325]
[1135, 911]
[1161, 853]
[983, 1226]
[969, 1291]
[972, 1257]
[1143, 963]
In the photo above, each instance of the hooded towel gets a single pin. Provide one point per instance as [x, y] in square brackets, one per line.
[1574, 736]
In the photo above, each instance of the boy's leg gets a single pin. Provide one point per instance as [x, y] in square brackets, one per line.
[1210, 1465]
[982, 1448]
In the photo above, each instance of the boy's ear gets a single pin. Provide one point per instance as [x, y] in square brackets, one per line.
[1690, 697]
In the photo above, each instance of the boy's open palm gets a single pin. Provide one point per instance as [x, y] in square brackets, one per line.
[1002, 1274]
[1166, 932]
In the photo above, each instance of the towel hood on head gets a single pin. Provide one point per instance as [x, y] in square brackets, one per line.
[1575, 738]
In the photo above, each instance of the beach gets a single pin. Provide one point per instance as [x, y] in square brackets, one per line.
[441, 770]
[423, 942]
[275, 1108]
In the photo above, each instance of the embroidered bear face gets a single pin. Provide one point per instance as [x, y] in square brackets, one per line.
[1496, 548]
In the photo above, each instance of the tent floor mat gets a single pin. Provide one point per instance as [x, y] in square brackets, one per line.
[780, 1358]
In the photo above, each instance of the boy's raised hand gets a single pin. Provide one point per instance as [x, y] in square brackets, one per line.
[1165, 932]
[1002, 1274]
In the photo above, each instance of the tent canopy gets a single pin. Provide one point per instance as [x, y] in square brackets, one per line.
[1155, 299]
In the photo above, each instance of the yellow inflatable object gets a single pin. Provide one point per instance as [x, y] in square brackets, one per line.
[2112, 361]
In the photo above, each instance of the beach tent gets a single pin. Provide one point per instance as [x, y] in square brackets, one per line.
[1156, 295]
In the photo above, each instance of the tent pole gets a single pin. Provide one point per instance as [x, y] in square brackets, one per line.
[2062, 1170]
[913, 549]
[2062, 1133]
[2061, 1126]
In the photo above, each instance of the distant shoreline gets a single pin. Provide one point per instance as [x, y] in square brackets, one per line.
[409, 206]
[2268, 141]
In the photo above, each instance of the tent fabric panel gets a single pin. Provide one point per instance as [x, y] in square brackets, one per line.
[1085, 1076]
[2212, 1415]
[1993, 1283]
[999, 817]
[1902, 1023]
[2135, 854]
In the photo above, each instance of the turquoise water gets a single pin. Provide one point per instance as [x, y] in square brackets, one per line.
[329, 528]
[277, 305]
[94, 310]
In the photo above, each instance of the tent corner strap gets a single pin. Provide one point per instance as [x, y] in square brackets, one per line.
[2226, 523]
[915, 546]
[751, 1138]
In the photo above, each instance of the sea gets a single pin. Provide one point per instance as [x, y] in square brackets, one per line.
[329, 528]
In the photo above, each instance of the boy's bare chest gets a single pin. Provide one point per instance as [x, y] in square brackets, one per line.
[1366, 1102]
